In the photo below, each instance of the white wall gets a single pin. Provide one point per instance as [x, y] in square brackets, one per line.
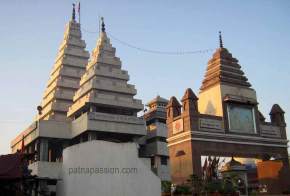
[101, 154]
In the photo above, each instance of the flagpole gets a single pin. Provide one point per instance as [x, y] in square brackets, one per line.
[79, 10]
[99, 19]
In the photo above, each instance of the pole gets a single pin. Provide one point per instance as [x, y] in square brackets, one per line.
[99, 20]
[79, 10]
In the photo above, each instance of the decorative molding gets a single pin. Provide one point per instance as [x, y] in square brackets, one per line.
[227, 141]
[177, 126]
[224, 136]
[210, 124]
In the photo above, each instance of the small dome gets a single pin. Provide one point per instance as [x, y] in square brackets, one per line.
[158, 99]
[233, 165]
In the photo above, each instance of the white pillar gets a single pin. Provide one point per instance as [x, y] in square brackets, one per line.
[43, 150]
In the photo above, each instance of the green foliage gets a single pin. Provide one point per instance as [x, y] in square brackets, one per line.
[253, 193]
[224, 186]
[228, 187]
[195, 183]
[182, 189]
[166, 186]
[214, 186]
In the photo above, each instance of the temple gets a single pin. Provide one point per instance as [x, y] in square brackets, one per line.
[224, 120]
[89, 119]
[105, 101]
[88, 107]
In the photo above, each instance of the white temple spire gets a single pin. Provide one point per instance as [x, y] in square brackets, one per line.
[64, 79]
[104, 86]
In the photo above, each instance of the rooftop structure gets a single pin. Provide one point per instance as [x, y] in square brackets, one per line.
[223, 120]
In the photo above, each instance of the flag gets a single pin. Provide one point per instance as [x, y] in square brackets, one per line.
[79, 11]
[204, 165]
[209, 159]
[79, 7]
[22, 144]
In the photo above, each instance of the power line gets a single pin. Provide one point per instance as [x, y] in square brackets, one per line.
[151, 50]
[11, 122]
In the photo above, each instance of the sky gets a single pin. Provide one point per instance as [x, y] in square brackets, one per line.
[256, 32]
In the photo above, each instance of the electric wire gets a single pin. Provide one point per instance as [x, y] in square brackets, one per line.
[202, 51]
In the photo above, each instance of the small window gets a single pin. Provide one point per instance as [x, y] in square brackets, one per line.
[164, 160]
[152, 162]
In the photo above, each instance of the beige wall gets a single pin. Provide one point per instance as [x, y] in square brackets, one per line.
[210, 101]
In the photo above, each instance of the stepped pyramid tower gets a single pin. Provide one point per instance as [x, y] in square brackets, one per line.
[223, 79]
[66, 73]
[104, 94]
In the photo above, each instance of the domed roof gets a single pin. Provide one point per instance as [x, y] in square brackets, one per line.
[158, 99]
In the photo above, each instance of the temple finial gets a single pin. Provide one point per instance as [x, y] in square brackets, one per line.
[73, 17]
[221, 39]
[103, 24]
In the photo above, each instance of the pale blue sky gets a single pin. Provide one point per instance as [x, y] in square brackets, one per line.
[256, 32]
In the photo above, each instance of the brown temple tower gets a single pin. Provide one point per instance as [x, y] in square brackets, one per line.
[223, 120]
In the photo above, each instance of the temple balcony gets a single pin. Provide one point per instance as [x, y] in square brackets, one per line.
[109, 123]
[42, 129]
[44, 169]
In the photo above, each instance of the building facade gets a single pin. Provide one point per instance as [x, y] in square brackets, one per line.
[224, 120]
[154, 144]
